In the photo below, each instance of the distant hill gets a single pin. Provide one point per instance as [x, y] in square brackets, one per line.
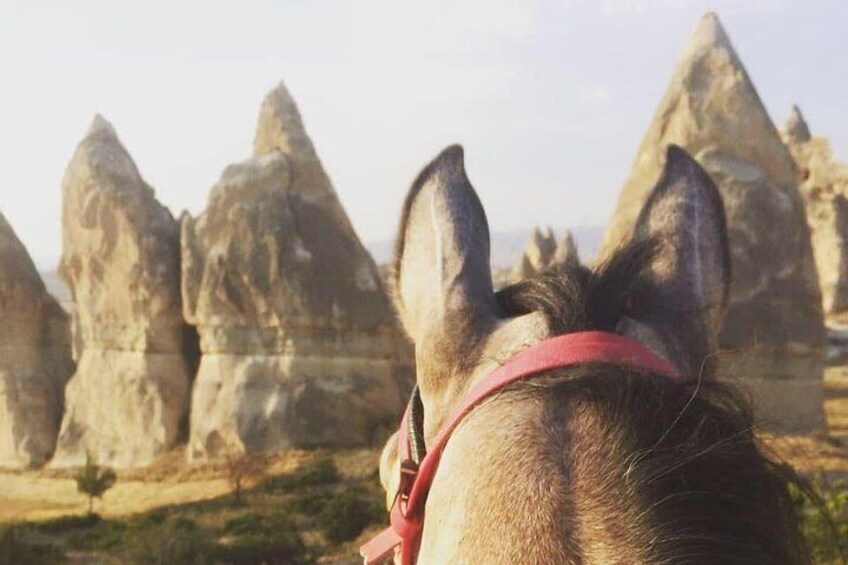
[507, 246]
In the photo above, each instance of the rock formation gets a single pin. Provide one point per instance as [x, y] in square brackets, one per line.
[824, 186]
[544, 253]
[299, 343]
[121, 259]
[36, 358]
[566, 254]
[774, 321]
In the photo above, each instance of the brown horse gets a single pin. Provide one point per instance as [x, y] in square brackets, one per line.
[595, 463]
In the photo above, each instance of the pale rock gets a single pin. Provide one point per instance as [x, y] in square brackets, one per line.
[543, 253]
[36, 358]
[300, 347]
[712, 110]
[824, 186]
[128, 399]
[796, 129]
[566, 255]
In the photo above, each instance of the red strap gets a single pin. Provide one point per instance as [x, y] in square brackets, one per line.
[562, 351]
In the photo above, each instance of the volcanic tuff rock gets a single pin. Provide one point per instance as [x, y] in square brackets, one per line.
[120, 258]
[299, 343]
[544, 253]
[36, 358]
[824, 186]
[774, 319]
[566, 254]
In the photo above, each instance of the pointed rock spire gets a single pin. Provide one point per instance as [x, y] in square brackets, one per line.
[523, 269]
[101, 125]
[824, 186]
[712, 109]
[288, 302]
[280, 127]
[796, 129]
[121, 260]
[540, 250]
[540, 254]
[566, 252]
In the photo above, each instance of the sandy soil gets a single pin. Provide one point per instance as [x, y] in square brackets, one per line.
[48, 493]
[827, 453]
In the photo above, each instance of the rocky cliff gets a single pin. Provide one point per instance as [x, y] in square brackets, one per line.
[121, 259]
[36, 358]
[299, 343]
[824, 186]
[774, 323]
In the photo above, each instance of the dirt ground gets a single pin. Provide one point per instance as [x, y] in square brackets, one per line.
[48, 493]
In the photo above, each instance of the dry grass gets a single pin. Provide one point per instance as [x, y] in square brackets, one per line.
[827, 454]
[49, 493]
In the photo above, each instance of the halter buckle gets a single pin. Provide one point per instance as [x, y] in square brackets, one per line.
[408, 474]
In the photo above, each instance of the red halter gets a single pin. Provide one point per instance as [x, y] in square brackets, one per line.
[407, 514]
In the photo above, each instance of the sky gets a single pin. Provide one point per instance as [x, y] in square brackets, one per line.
[550, 99]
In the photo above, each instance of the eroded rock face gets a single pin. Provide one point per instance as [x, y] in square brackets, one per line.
[121, 260]
[36, 358]
[544, 253]
[299, 343]
[824, 186]
[712, 110]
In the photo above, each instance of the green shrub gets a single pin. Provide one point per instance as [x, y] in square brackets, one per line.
[825, 521]
[347, 513]
[105, 535]
[94, 480]
[255, 523]
[153, 518]
[281, 548]
[16, 548]
[320, 472]
[66, 523]
[261, 538]
[186, 524]
[164, 545]
[309, 503]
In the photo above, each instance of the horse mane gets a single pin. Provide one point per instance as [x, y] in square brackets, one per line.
[660, 471]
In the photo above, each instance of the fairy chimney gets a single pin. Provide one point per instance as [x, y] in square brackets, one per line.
[773, 336]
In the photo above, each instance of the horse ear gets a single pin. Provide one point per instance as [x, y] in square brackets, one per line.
[690, 272]
[441, 278]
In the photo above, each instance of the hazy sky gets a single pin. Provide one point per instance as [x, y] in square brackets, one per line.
[550, 99]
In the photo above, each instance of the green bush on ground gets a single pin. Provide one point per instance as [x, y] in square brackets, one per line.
[17, 548]
[824, 521]
[320, 472]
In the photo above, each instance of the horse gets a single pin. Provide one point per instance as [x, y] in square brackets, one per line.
[595, 462]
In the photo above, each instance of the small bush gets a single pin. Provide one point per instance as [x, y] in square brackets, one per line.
[105, 535]
[185, 524]
[825, 522]
[66, 523]
[16, 548]
[149, 519]
[261, 539]
[347, 513]
[165, 545]
[244, 468]
[281, 548]
[244, 524]
[255, 523]
[309, 503]
[320, 472]
[94, 480]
